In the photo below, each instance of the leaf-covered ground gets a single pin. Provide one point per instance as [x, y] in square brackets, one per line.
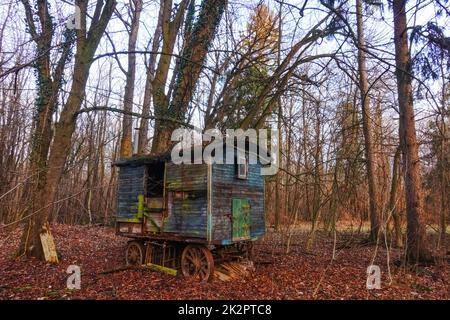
[301, 274]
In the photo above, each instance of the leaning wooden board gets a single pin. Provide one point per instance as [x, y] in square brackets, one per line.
[48, 245]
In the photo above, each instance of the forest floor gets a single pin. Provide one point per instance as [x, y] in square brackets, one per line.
[301, 274]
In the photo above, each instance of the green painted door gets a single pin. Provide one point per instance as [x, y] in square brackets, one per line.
[241, 219]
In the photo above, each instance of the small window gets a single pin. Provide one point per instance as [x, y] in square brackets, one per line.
[242, 168]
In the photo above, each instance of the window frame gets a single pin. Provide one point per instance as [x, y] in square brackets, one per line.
[239, 175]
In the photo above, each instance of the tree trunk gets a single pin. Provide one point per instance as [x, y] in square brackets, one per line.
[46, 100]
[416, 248]
[317, 189]
[126, 145]
[49, 82]
[393, 200]
[194, 55]
[86, 47]
[279, 120]
[169, 30]
[304, 147]
[278, 178]
[148, 91]
[367, 129]
[443, 156]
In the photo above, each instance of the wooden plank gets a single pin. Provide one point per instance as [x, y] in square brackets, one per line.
[234, 270]
[48, 245]
[221, 276]
[157, 267]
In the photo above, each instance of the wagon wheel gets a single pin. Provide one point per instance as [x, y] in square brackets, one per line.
[135, 253]
[197, 262]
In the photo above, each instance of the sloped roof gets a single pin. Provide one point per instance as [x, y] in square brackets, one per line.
[166, 156]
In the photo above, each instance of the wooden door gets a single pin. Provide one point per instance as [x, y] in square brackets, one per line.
[241, 219]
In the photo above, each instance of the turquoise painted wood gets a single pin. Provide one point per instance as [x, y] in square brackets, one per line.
[225, 187]
[241, 219]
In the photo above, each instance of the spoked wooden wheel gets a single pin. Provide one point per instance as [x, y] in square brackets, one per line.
[197, 262]
[134, 254]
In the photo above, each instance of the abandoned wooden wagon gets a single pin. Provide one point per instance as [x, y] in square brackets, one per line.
[187, 216]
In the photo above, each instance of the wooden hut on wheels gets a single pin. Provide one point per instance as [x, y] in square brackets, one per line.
[187, 216]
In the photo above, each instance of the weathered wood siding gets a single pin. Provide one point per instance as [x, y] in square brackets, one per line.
[225, 187]
[183, 177]
[187, 216]
[131, 184]
[187, 190]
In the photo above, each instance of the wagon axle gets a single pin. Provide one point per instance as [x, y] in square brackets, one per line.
[194, 261]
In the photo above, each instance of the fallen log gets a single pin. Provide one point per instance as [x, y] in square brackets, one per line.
[152, 266]
[157, 267]
[123, 268]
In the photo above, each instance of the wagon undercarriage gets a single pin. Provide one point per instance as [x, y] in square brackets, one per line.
[192, 260]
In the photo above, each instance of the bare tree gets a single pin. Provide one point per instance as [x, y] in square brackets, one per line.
[150, 76]
[87, 41]
[393, 205]
[416, 245]
[193, 56]
[41, 28]
[134, 12]
[371, 161]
